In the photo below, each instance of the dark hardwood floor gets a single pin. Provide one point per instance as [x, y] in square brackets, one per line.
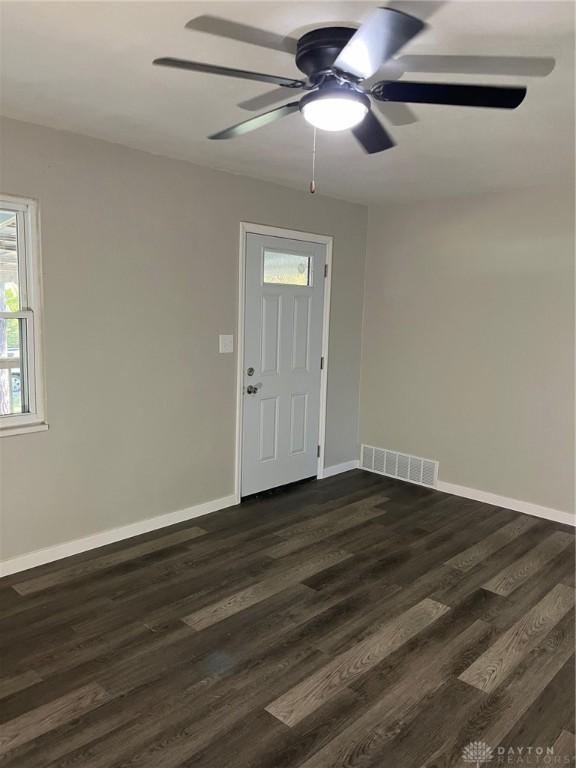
[354, 622]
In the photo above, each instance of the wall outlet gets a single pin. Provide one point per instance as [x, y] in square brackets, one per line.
[225, 344]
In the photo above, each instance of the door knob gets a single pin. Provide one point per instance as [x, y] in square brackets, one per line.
[252, 389]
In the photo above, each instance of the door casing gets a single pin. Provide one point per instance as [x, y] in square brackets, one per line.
[294, 234]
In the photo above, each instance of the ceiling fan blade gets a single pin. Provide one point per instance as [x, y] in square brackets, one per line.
[526, 66]
[498, 97]
[396, 112]
[257, 122]
[196, 66]
[263, 100]
[372, 136]
[214, 25]
[378, 39]
[424, 9]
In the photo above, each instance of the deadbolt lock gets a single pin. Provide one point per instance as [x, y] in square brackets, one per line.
[250, 371]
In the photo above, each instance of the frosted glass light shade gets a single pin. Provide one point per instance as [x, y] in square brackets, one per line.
[334, 113]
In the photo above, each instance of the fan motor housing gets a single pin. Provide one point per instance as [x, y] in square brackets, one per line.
[318, 50]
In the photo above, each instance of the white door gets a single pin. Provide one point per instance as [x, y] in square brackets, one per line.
[283, 316]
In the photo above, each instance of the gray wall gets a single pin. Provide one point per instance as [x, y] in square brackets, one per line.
[140, 261]
[467, 345]
[468, 341]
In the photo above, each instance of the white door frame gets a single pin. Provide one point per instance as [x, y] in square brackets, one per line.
[247, 228]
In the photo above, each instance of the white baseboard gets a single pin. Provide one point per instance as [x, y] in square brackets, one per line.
[75, 547]
[337, 469]
[504, 501]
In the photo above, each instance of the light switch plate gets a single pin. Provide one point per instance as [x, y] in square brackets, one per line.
[225, 343]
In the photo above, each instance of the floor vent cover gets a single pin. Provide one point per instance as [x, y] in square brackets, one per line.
[413, 469]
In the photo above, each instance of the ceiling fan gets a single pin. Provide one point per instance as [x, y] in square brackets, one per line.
[336, 61]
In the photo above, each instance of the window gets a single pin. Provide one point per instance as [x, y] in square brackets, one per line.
[286, 268]
[21, 385]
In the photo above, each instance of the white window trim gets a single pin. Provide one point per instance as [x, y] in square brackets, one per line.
[29, 256]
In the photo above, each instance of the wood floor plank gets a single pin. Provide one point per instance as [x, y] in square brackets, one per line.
[444, 542]
[238, 601]
[32, 585]
[9, 600]
[312, 629]
[534, 589]
[170, 736]
[178, 596]
[428, 649]
[39, 721]
[377, 615]
[91, 733]
[536, 726]
[492, 721]
[490, 717]
[496, 664]
[565, 747]
[356, 603]
[379, 722]
[277, 745]
[195, 576]
[405, 561]
[428, 728]
[79, 651]
[31, 624]
[144, 659]
[467, 582]
[10, 685]
[505, 582]
[303, 699]
[349, 517]
[447, 508]
[475, 554]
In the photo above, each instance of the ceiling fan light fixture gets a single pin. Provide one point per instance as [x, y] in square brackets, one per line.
[338, 60]
[334, 110]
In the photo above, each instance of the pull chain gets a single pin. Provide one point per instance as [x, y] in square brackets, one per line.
[313, 182]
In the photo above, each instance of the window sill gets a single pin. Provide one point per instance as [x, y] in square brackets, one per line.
[23, 429]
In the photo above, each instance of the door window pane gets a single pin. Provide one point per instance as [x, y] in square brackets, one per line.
[9, 294]
[286, 268]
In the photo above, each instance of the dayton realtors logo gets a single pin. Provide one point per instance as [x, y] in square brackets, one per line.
[478, 753]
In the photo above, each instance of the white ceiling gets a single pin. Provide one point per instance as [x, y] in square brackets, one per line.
[86, 67]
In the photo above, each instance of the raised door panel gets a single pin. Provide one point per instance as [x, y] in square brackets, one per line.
[271, 319]
[301, 334]
[298, 423]
[268, 428]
